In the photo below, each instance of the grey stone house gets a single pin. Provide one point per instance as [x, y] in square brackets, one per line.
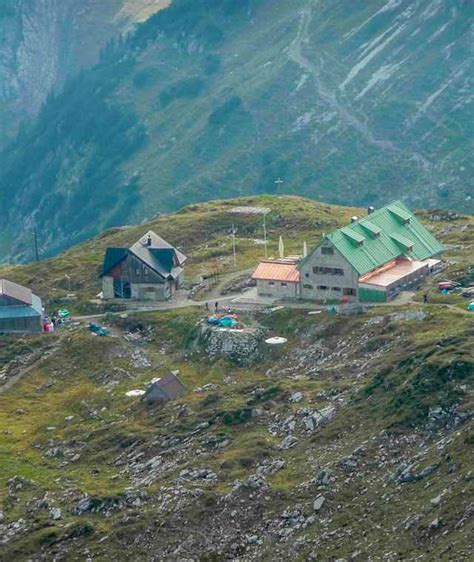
[327, 275]
[371, 259]
[151, 269]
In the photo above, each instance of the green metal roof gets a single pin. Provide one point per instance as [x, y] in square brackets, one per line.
[352, 235]
[382, 236]
[375, 230]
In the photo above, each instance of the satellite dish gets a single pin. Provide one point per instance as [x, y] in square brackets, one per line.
[276, 341]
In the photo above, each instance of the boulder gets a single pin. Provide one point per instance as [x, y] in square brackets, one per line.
[288, 442]
[318, 503]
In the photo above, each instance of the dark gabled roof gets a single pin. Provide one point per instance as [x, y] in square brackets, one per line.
[113, 256]
[385, 234]
[167, 388]
[159, 255]
[165, 256]
[18, 293]
[158, 243]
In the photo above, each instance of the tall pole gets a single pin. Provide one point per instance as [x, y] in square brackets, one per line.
[35, 235]
[233, 246]
[265, 234]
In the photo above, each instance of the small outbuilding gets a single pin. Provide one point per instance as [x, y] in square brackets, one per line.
[277, 278]
[21, 311]
[165, 389]
[151, 269]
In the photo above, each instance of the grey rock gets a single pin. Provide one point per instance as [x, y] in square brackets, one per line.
[55, 514]
[436, 501]
[288, 442]
[318, 503]
[323, 477]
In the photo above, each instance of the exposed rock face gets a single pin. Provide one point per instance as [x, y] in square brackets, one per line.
[242, 346]
[42, 42]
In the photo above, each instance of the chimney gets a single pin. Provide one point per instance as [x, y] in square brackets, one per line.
[370, 210]
[354, 219]
[148, 240]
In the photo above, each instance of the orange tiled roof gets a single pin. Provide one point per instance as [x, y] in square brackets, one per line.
[274, 270]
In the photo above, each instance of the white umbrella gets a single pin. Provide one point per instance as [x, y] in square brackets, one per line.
[281, 248]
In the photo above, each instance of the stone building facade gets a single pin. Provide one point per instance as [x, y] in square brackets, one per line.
[150, 270]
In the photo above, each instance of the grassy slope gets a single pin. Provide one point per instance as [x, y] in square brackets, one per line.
[381, 376]
[107, 423]
[200, 231]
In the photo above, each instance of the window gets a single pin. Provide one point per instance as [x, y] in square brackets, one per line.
[306, 274]
[307, 286]
[337, 289]
[271, 283]
[328, 270]
[145, 270]
[322, 288]
[327, 250]
[349, 291]
[283, 284]
[137, 271]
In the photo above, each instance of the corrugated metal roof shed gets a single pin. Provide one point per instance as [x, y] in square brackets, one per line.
[16, 292]
[273, 270]
[401, 234]
[22, 310]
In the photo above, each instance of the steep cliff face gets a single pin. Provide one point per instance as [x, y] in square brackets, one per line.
[347, 102]
[44, 42]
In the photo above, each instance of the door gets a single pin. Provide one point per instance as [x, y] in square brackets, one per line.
[122, 289]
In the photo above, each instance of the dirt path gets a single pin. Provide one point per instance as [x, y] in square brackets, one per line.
[42, 355]
[215, 292]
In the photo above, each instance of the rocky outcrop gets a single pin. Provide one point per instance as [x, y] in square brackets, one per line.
[242, 346]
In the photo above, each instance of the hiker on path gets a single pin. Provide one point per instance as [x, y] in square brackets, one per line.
[425, 299]
[217, 306]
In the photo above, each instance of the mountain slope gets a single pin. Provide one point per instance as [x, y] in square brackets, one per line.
[353, 441]
[356, 105]
[44, 43]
